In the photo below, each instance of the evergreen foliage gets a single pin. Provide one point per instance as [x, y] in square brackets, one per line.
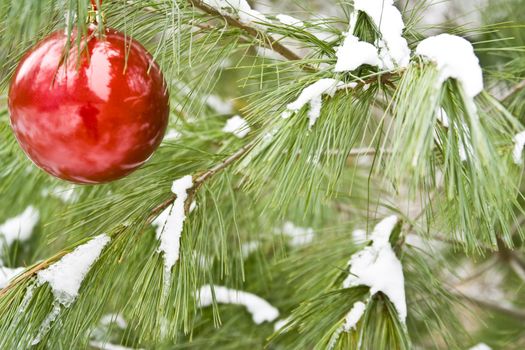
[377, 149]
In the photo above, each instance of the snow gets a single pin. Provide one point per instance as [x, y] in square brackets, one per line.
[116, 319]
[354, 53]
[455, 58]
[260, 309]
[170, 222]
[268, 53]
[7, 274]
[171, 135]
[247, 15]
[19, 227]
[290, 21]
[324, 86]
[46, 324]
[67, 194]
[299, 235]
[481, 346]
[393, 48]
[237, 126]
[66, 275]
[519, 143]
[354, 316]
[108, 346]
[249, 247]
[279, 324]
[442, 117]
[312, 95]
[359, 236]
[218, 104]
[378, 267]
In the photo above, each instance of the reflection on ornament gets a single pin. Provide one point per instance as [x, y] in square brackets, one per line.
[93, 115]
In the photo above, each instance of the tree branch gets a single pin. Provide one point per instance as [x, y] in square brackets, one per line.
[268, 40]
[517, 88]
[508, 310]
[199, 180]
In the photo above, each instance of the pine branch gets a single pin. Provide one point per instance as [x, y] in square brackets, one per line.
[514, 90]
[516, 313]
[268, 40]
[201, 179]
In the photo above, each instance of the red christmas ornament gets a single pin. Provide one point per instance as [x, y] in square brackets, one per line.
[93, 117]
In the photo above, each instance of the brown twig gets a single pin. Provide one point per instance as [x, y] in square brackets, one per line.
[518, 87]
[200, 179]
[268, 40]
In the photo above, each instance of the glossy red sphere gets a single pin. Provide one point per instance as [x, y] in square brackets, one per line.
[94, 117]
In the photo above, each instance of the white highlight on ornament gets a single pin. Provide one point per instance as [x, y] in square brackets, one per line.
[66, 275]
[299, 236]
[455, 58]
[354, 53]
[290, 21]
[481, 346]
[237, 126]
[354, 316]
[7, 274]
[260, 309]
[19, 227]
[519, 143]
[170, 224]
[393, 48]
[378, 267]
[312, 96]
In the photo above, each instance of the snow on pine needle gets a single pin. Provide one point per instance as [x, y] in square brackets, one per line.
[355, 314]
[299, 236]
[65, 278]
[455, 58]
[393, 47]
[519, 143]
[170, 224]
[104, 345]
[246, 14]
[7, 274]
[237, 126]
[260, 309]
[377, 267]
[353, 53]
[290, 21]
[19, 227]
[312, 96]
[66, 275]
[481, 346]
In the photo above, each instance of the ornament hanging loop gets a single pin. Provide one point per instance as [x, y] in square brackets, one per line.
[94, 15]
